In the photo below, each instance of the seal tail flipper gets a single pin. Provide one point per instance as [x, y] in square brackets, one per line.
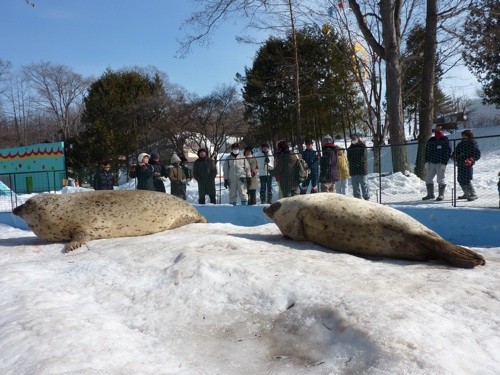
[455, 255]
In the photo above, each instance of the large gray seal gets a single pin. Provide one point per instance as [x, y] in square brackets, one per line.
[81, 217]
[364, 228]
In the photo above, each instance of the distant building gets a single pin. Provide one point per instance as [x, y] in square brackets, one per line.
[474, 115]
[33, 169]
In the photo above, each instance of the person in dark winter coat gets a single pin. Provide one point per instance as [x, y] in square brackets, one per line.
[328, 174]
[104, 179]
[466, 154]
[285, 170]
[310, 156]
[160, 172]
[437, 154]
[144, 172]
[177, 178]
[204, 172]
[358, 167]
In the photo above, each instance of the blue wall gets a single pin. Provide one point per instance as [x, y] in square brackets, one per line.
[468, 227]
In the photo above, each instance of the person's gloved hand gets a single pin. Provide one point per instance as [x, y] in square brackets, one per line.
[226, 183]
[242, 179]
[249, 181]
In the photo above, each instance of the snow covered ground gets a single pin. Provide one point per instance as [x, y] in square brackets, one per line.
[226, 299]
[235, 297]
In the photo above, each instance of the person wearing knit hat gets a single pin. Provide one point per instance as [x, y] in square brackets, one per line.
[466, 154]
[177, 178]
[160, 172]
[437, 155]
[144, 172]
[204, 172]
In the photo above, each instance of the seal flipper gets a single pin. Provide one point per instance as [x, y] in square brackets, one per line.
[77, 241]
[458, 256]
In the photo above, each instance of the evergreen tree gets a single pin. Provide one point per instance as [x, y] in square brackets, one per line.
[120, 109]
[326, 85]
[481, 38]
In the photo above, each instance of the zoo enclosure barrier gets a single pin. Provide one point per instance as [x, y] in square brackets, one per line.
[14, 185]
[385, 186]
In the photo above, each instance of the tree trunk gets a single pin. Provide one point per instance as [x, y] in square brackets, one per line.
[297, 79]
[429, 77]
[389, 11]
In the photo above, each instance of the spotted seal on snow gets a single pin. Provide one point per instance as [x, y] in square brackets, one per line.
[364, 228]
[85, 216]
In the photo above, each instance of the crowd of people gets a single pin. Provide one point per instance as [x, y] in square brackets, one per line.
[247, 172]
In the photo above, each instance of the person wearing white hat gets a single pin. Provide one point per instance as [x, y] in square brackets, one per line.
[144, 172]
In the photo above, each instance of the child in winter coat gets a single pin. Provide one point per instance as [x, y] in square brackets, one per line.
[144, 172]
[310, 156]
[177, 178]
[466, 154]
[343, 170]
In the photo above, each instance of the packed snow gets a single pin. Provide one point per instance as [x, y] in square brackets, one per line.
[235, 297]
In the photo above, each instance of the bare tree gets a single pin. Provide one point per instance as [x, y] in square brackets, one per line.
[5, 67]
[59, 93]
[217, 117]
[18, 107]
[280, 15]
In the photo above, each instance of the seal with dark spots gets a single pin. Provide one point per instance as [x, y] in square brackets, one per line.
[359, 227]
[81, 217]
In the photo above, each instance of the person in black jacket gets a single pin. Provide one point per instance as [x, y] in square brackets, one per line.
[358, 167]
[104, 179]
[204, 172]
[437, 154]
[466, 154]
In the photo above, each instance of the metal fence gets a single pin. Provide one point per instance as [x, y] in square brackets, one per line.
[385, 187]
[14, 187]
